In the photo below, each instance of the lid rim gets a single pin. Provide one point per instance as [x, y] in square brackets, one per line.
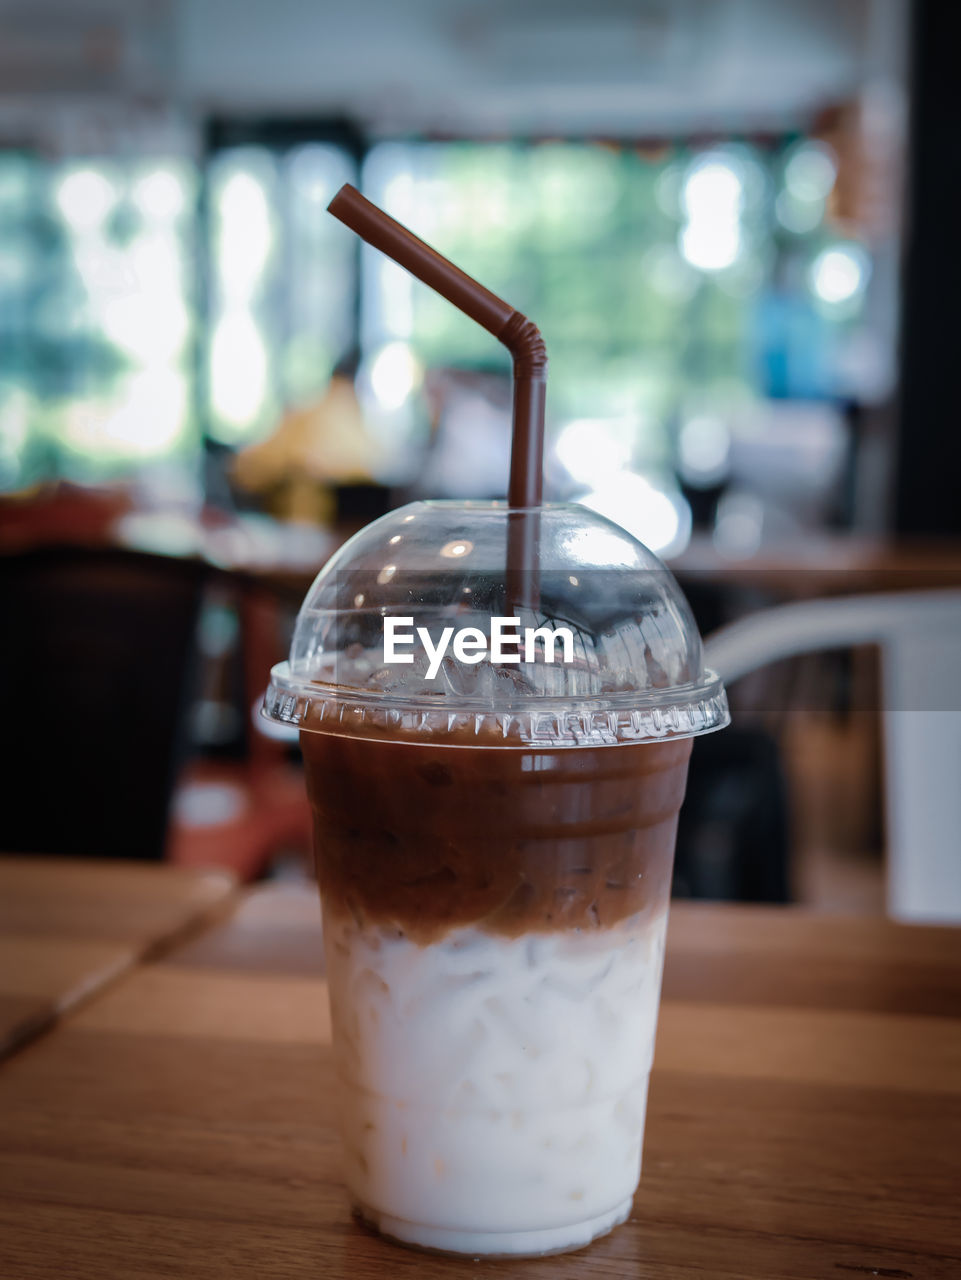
[586, 725]
[683, 695]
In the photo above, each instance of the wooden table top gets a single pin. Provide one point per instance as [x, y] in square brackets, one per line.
[804, 1121]
[68, 926]
[827, 563]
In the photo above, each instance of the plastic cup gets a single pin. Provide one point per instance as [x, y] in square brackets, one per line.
[494, 832]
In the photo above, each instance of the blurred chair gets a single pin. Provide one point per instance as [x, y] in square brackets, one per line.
[97, 650]
[919, 634]
[733, 840]
[262, 798]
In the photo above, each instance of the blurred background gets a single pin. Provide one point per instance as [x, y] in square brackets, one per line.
[735, 224]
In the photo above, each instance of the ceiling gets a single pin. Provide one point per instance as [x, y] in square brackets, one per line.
[618, 67]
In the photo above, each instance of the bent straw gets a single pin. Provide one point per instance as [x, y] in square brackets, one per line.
[519, 335]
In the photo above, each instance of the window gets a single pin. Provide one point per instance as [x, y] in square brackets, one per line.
[672, 284]
[281, 287]
[95, 315]
[668, 282]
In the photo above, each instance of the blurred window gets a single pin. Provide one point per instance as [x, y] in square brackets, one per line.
[670, 283]
[282, 284]
[676, 286]
[96, 319]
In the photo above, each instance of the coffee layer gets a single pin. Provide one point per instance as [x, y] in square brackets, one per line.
[427, 837]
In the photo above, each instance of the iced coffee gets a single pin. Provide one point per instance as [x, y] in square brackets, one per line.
[496, 703]
[495, 919]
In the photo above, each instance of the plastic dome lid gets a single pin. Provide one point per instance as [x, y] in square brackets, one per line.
[417, 623]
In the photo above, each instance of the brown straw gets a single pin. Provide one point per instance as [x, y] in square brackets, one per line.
[518, 334]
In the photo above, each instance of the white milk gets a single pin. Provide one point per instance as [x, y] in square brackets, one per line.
[494, 1089]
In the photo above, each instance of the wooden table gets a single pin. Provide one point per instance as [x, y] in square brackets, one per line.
[68, 926]
[805, 1114]
[824, 563]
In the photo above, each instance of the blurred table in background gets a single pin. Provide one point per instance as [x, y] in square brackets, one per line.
[819, 563]
[804, 1120]
[240, 802]
[237, 542]
[289, 554]
[67, 927]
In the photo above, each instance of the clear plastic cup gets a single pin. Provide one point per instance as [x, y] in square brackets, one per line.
[494, 822]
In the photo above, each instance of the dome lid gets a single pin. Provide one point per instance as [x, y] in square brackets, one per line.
[419, 616]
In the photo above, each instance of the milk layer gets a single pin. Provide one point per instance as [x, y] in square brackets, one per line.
[494, 1088]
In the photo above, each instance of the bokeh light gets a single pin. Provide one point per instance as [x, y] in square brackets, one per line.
[246, 234]
[704, 447]
[811, 171]
[86, 197]
[658, 514]
[590, 448]
[839, 274]
[238, 370]
[713, 199]
[395, 373]
[160, 195]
